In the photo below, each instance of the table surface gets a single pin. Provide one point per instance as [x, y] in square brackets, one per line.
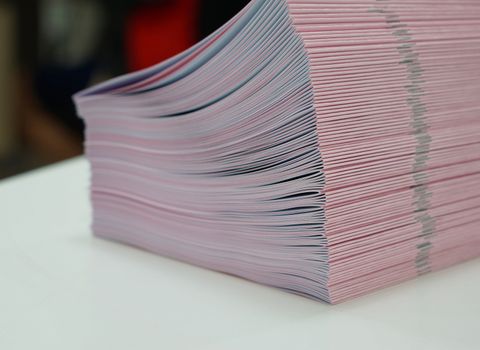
[62, 288]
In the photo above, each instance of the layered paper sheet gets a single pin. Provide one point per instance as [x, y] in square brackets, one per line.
[328, 148]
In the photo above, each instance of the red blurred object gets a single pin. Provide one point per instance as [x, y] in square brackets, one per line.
[155, 32]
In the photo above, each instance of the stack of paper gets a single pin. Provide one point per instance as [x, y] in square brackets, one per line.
[328, 148]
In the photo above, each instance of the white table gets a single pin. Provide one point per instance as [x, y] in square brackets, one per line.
[61, 288]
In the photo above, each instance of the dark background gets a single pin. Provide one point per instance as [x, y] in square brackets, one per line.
[50, 49]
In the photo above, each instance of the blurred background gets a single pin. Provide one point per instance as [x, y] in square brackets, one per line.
[50, 49]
